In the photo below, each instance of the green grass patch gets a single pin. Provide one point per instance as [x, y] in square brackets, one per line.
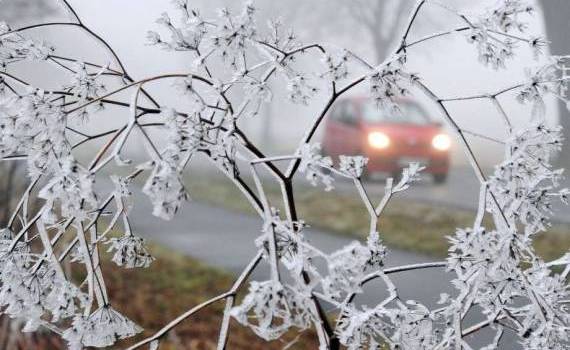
[406, 224]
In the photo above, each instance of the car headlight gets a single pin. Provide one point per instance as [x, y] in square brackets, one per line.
[441, 142]
[378, 140]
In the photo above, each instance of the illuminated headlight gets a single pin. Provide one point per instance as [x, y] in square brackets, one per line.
[441, 142]
[378, 140]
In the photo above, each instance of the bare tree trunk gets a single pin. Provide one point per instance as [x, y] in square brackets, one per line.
[4, 331]
[381, 47]
[383, 42]
[557, 19]
[8, 191]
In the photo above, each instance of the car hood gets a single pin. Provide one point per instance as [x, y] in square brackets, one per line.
[406, 131]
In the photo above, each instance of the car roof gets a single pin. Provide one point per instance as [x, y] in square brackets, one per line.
[363, 99]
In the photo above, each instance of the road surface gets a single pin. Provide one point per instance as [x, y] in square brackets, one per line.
[460, 191]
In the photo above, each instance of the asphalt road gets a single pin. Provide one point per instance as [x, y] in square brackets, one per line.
[226, 240]
[461, 190]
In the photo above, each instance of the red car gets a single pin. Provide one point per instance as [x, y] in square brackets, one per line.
[356, 126]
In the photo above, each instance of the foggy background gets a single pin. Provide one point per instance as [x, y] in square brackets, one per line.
[449, 64]
[370, 28]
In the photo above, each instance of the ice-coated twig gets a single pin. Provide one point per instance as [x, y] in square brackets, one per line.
[491, 266]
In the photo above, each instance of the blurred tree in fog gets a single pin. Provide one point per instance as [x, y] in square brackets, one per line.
[25, 9]
[557, 20]
[379, 20]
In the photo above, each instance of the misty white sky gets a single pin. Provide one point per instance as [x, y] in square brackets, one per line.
[448, 65]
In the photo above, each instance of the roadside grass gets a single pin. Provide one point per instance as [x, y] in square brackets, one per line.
[405, 224]
[172, 285]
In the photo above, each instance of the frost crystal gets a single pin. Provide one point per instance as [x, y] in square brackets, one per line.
[353, 166]
[275, 307]
[291, 245]
[100, 329]
[184, 133]
[300, 91]
[347, 268]
[14, 47]
[410, 175]
[130, 252]
[86, 85]
[388, 83]
[525, 180]
[542, 81]
[121, 186]
[62, 218]
[32, 125]
[491, 32]
[165, 189]
[492, 52]
[409, 326]
[72, 188]
[490, 264]
[314, 165]
[233, 37]
[337, 65]
[185, 37]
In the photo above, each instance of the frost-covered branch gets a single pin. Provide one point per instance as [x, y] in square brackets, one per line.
[236, 63]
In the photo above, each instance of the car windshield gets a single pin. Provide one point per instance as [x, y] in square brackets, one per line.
[409, 113]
